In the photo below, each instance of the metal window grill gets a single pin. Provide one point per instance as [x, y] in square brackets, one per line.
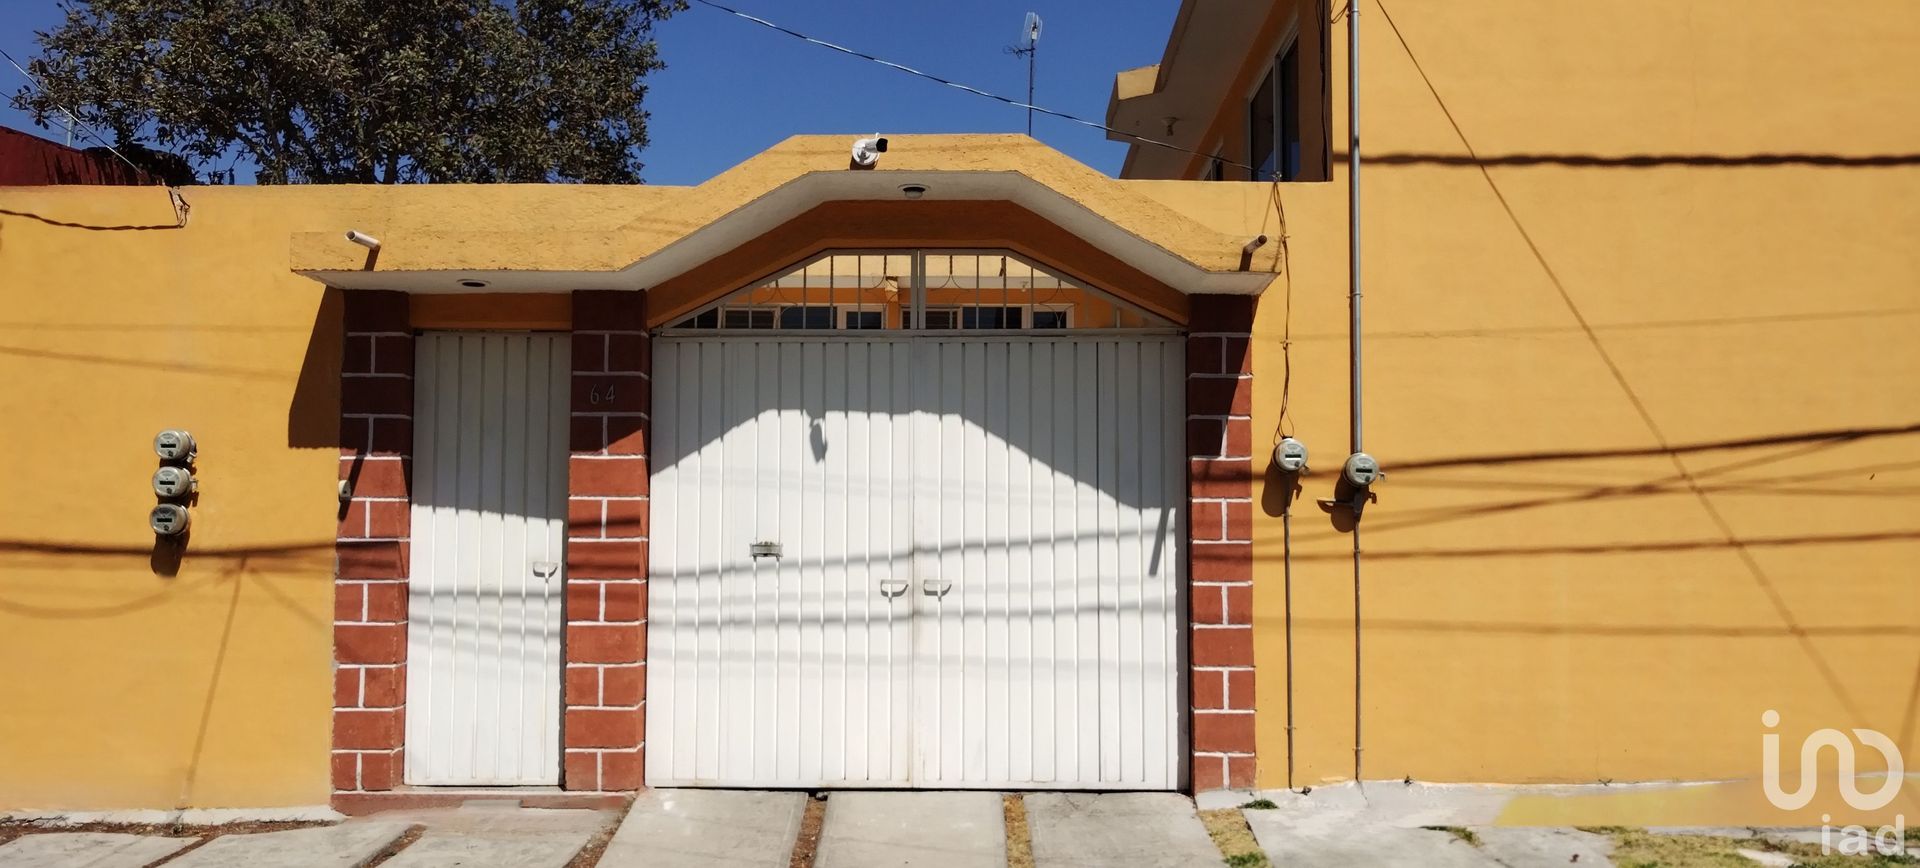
[919, 290]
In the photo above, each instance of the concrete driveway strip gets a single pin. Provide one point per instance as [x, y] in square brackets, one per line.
[676, 828]
[1149, 830]
[348, 845]
[491, 850]
[483, 837]
[920, 829]
[87, 850]
[1332, 839]
[1544, 847]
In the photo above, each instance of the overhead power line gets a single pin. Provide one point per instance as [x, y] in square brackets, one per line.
[74, 118]
[968, 88]
[180, 206]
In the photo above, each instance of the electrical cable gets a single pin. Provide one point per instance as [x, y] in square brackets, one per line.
[958, 86]
[69, 112]
[180, 206]
[1639, 406]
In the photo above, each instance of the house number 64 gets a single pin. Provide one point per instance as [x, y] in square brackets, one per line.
[594, 397]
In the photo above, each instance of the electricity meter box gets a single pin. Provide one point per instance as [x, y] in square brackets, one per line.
[1361, 469]
[173, 482]
[173, 444]
[1290, 455]
[168, 519]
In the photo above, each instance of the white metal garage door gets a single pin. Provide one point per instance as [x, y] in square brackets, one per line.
[979, 562]
[484, 616]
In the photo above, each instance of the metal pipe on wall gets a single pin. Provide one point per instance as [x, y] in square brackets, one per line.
[1286, 562]
[1353, 332]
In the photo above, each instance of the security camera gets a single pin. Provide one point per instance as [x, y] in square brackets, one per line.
[867, 151]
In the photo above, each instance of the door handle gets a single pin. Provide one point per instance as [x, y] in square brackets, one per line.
[936, 588]
[545, 569]
[893, 587]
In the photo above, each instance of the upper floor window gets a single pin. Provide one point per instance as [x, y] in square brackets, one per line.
[1287, 113]
[1216, 168]
[1273, 121]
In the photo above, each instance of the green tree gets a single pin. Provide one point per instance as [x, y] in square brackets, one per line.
[362, 91]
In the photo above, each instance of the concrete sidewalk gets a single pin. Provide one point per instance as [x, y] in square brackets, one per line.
[483, 836]
[936, 829]
[1443, 826]
[92, 849]
[689, 828]
[1094, 830]
[471, 837]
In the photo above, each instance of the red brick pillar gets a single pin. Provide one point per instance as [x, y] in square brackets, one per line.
[1220, 441]
[605, 726]
[370, 576]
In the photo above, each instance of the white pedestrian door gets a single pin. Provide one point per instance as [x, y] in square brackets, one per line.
[917, 561]
[488, 568]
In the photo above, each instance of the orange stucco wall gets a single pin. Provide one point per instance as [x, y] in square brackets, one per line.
[135, 679]
[144, 680]
[1646, 388]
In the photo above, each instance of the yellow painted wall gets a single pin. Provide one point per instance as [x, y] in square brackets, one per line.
[135, 682]
[127, 688]
[1602, 606]
[1553, 618]
[211, 687]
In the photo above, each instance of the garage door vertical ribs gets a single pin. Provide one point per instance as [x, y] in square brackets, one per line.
[949, 552]
[1066, 561]
[1126, 542]
[483, 632]
[830, 553]
[903, 424]
[854, 450]
[970, 582]
[790, 450]
[1160, 365]
[1012, 486]
[674, 706]
[1086, 473]
[482, 714]
[734, 392]
[423, 655]
[764, 384]
[510, 598]
[663, 608]
[704, 675]
[1017, 450]
[464, 597]
[995, 580]
[552, 541]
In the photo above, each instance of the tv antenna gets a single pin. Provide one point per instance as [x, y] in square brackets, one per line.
[1028, 47]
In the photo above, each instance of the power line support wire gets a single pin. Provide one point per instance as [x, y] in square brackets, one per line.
[1028, 105]
[179, 203]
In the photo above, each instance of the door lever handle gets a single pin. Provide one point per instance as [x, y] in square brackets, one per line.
[545, 569]
[936, 589]
[893, 587]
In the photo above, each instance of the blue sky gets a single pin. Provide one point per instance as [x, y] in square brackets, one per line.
[732, 88]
